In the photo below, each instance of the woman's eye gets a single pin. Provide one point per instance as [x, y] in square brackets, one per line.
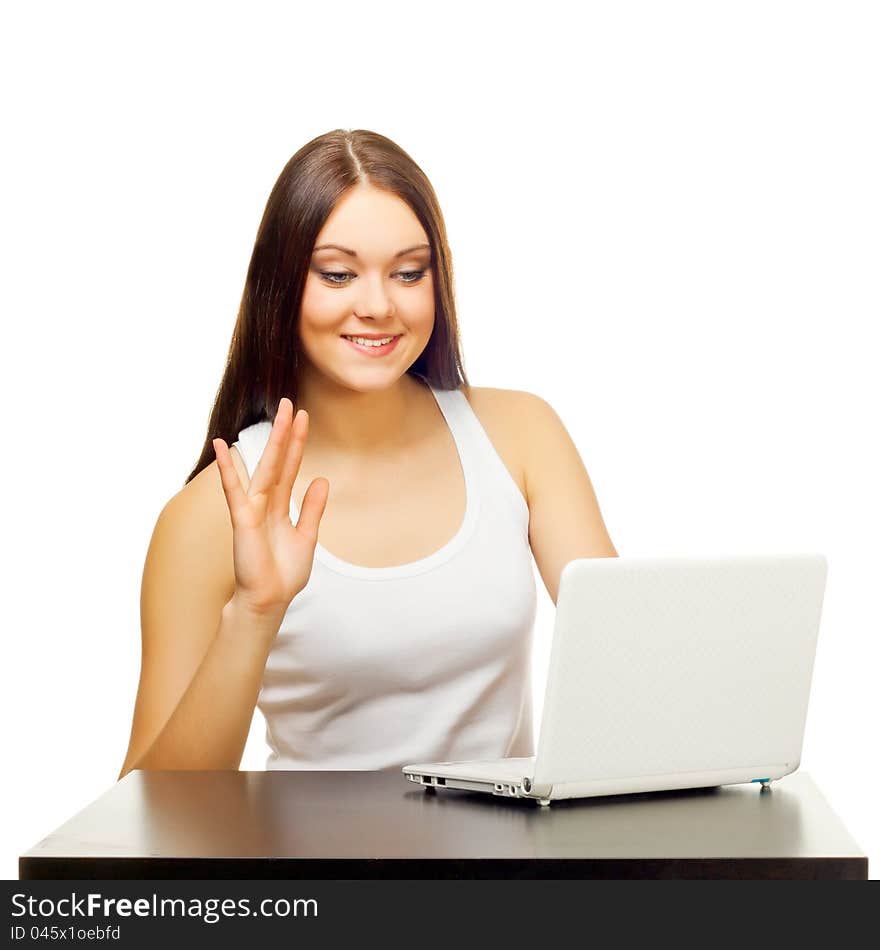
[413, 276]
[340, 277]
[331, 276]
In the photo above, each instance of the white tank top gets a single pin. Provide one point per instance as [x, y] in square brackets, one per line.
[379, 667]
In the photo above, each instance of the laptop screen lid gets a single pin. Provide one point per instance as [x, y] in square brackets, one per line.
[670, 665]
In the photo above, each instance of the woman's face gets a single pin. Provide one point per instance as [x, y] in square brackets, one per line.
[377, 283]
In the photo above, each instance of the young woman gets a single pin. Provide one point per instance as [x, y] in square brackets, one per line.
[352, 551]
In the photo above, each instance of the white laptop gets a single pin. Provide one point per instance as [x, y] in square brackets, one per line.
[666, 673]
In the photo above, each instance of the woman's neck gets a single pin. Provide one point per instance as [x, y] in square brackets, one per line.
[361, 423]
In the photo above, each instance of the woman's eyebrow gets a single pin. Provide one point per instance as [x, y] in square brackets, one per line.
[349, 251]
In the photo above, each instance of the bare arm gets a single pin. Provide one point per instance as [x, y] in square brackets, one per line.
[223, 565]
[564, 517]
[209, 726]
[196, 642]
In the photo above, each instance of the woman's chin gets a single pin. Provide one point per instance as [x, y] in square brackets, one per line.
[369, 379]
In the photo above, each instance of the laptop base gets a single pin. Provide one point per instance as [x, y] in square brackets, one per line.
[513, 778]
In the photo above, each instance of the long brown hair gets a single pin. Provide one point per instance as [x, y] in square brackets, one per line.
[263, 361]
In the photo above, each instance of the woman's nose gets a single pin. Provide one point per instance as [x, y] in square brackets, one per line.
[375, 300]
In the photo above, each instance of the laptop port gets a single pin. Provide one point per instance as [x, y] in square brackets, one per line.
[426, 779]
[441, 780]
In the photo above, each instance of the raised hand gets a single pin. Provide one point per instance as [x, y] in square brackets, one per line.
[273, 557]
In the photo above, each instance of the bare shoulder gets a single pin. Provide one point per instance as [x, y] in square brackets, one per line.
[202, 497]
[509, 416]
[507, 410]
[192, 540]
[525, 429]
[198, 502]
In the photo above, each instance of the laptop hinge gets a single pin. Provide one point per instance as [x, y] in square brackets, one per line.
[536, 790]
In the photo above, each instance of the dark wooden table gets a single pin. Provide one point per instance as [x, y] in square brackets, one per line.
[344, 825]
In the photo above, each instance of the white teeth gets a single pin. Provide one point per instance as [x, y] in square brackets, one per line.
[365, 342]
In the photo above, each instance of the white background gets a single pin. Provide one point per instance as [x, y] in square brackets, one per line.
[664, 220]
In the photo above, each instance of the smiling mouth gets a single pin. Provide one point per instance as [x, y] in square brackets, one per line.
[372, 341]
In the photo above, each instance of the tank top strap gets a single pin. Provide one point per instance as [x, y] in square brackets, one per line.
[251, 442]
[449, 401]
[477, 449]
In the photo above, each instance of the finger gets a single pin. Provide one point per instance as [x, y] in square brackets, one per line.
[279, 506]
[236, 499]
[313, 504]
[269, 466]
